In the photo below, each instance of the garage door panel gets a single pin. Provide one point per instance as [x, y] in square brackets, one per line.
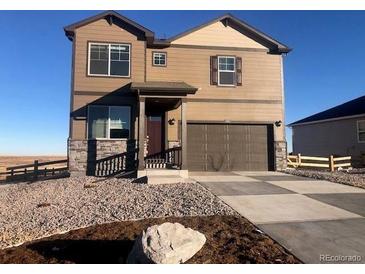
[237, 149]
[223, 147]
[216, 148]
[196, 147]
[258, 147]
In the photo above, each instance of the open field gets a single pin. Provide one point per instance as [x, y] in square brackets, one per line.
[8, 161]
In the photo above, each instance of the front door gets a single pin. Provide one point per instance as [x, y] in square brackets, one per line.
[155, 133]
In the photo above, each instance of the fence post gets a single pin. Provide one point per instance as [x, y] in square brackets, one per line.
[331, 163]
[35, 170]
[299, 160]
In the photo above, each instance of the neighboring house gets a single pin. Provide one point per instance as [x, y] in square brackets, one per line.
[214, 94]
[337, 131]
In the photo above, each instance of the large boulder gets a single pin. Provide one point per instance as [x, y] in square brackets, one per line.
[166, 244]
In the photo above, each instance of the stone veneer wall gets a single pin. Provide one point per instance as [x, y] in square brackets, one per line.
[82, 152]
[280, 155]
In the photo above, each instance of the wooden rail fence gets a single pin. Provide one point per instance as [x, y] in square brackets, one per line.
[36, 171]
[330, 162]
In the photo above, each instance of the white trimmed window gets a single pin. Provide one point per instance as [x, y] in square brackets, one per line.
[109, 122]
[361, 131]
[159, 59]
[226, 71]
[109, 59]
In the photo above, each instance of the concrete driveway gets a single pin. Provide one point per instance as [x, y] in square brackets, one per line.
[318, 221]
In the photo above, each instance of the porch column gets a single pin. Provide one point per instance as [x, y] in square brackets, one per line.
[184, 148]
[141, 133]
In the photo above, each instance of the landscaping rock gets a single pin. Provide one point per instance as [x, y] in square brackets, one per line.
[24, 215]
[168, 243]
[351, 177]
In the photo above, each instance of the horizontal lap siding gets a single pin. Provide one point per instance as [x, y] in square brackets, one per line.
[101, 31]
[243, 112]
[261, 73]
[328, 138]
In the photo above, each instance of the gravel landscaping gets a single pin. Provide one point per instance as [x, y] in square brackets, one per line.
[31, 211]
[230, 239]
[355, 177]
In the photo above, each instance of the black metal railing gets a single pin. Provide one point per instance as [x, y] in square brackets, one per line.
[169, 158]
[36, 171]
[115, 164]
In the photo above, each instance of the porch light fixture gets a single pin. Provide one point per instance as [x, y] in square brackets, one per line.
[171, 121]
[278, 123]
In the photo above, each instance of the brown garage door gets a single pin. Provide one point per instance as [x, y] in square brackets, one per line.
[224, 147]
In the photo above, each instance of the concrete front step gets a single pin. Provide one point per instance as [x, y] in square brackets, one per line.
[163, 172]
[159, 180]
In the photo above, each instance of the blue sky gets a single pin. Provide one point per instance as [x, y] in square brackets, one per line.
[326, 67]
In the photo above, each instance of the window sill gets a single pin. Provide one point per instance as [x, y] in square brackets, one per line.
[227, 86]
[107, 76]
[111, 139]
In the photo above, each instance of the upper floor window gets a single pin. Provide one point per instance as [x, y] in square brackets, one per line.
[226, 70]
[109, 59]
[109, 122]
[159, 59]
[361, 131]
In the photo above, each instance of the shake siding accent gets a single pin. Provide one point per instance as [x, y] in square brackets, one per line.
[217, 34]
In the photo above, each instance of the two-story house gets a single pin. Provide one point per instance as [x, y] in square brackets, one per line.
[209, 99]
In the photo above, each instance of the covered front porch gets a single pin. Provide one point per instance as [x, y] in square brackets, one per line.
[155, 149]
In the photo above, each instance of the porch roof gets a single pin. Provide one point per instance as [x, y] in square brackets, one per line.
[163, 88]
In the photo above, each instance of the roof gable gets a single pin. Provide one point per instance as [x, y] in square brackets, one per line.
[350, 108]
[253, 37]
[218, 34]
[113, 18]
[243, 34]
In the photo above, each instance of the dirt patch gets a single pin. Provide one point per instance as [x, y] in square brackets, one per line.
[352, 177]
[230, 239]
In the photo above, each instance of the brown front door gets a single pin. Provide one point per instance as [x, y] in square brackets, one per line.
[155, 134]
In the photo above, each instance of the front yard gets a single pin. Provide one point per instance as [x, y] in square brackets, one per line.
[100, 220]
[354, 177]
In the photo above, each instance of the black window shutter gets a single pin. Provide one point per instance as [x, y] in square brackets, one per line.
[239, 71]
[213, 70]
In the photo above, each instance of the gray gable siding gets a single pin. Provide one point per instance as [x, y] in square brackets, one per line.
[326, 138]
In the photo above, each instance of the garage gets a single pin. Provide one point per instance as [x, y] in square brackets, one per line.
[226, 147]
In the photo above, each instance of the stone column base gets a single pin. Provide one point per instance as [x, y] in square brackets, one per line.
[280, 155]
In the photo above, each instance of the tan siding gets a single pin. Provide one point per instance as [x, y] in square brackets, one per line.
[261, 81]
[261, 73]
[261, 78]
[235, 112]
[218, 35]
[101, 31]
[80, 108]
